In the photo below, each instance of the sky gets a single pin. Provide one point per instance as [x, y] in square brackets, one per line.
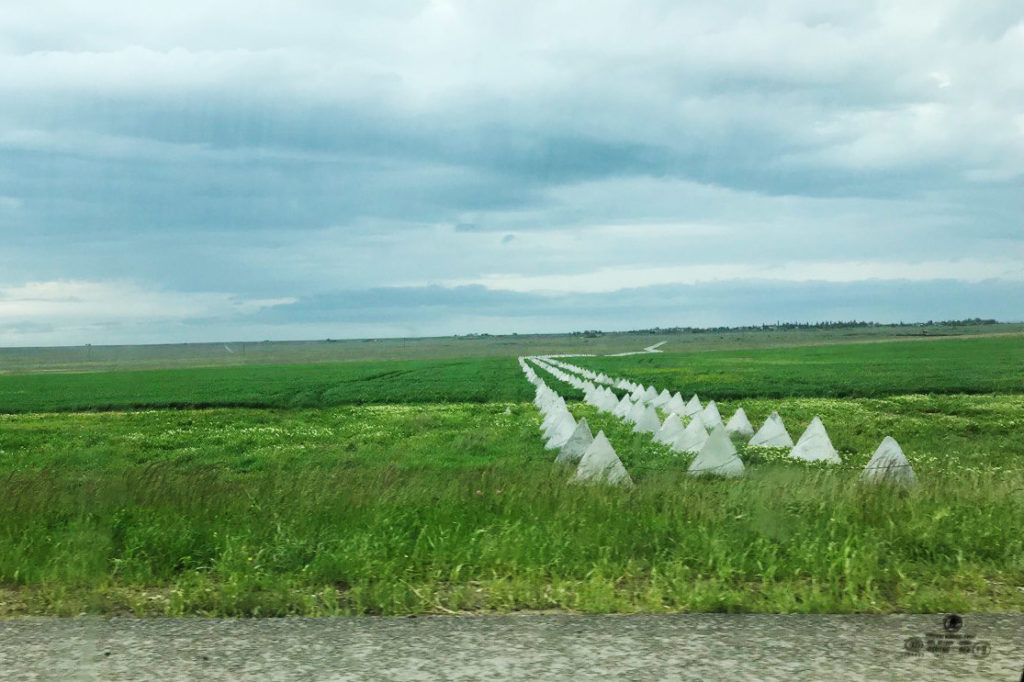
[219, 171]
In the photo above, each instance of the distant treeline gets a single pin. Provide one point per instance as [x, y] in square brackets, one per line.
[783, 326]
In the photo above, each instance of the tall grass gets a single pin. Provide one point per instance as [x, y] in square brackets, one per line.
[386, 541]
[407, 509]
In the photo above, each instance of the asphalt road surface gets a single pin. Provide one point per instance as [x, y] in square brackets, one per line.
[556, 647]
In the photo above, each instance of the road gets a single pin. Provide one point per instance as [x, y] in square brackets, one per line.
[548, 647]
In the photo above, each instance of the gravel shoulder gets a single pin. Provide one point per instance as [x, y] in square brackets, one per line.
[548, 647]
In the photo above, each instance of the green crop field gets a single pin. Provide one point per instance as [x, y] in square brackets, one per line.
[178, 356]
[982, 365]
[473, 380]
[404, 487]
[978, 365]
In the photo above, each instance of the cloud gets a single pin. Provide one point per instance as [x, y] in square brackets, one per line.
[312, 148]
[108, 308]
[614, 279]
[69, 313]
[727, 302]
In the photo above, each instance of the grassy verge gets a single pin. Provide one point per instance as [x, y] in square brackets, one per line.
[434, 509]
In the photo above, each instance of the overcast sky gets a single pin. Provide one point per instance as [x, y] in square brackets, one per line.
[204, 170]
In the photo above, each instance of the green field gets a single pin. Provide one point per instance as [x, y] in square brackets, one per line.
[178, 356]
[980, 365]
[286, 386]
[403, 487]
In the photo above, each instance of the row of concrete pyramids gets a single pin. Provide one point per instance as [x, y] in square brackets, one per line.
[593, 456]
[717, 454]
[639, 408]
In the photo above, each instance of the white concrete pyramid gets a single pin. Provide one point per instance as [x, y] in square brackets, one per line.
[676, 404]
[662, 398]
[692, 439]
[623, 408]
[815, 445]
[600, 464]
[577, 444]
[636, 413]
[554, 415]
[554, 422]
[650, 394]
[693, 407]
[551, 399]
[739, 426]
[552, 405]
[717, 457]
[648, 422]
[772, 434]
[888, 465]
[561, 433]
[670, 430]
[710, 416]
[611, 400]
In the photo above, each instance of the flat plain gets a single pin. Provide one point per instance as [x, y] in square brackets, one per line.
[403, 487]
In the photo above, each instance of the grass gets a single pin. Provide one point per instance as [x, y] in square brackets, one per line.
[403, 487]
[398, 509]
